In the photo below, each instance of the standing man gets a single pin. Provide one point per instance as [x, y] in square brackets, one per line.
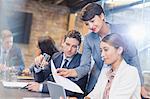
[93, 16]
[68, 59]
[10, 54]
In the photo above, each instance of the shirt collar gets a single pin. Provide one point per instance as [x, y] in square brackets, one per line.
[107, 33]
[69, 59]
[4, 50]
[63, 61]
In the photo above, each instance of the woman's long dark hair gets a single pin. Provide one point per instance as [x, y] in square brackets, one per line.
[47, 45]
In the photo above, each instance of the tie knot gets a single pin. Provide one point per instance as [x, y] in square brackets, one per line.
[65, 63]
[65, 60]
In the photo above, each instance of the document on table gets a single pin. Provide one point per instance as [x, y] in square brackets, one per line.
[64, 82]
[14, 84]
[25, 77]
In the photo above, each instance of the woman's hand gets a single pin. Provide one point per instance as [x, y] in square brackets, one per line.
[40, 61]
[66, 72]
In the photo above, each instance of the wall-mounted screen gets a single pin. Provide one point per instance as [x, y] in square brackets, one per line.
[19, 23]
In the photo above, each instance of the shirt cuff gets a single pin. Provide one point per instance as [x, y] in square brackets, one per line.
[40, 87]
[37, 69]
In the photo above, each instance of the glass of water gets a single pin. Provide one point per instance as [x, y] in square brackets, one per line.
[12, 73]
[46, 58]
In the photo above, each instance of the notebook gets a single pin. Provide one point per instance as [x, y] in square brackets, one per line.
[56, 91]
[14, 84]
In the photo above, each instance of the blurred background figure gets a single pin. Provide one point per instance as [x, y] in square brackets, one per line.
[10, 54]
[45, 44]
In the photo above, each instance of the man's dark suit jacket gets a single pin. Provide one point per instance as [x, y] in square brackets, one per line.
[14, 58]
[57, 59]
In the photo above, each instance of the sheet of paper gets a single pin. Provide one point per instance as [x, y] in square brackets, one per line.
[65, 82]
[14, 84]
[25, 77]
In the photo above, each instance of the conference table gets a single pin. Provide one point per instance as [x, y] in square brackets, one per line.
[18, 93]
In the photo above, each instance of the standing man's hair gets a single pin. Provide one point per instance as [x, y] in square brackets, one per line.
[73, 34]
[90, 10]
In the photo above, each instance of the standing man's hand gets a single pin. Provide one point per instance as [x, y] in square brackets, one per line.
[66, 72]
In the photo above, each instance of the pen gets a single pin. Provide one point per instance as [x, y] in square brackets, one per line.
[25, 87]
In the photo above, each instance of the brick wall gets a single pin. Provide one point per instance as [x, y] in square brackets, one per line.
[47, 20]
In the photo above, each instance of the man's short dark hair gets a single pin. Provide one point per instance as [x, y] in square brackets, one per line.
[73, 34]
[90, 10]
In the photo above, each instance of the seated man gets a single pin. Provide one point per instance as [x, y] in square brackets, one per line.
[69, 59]
[10, 54]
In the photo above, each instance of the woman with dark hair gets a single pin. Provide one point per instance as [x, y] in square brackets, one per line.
[117, 80]
[46, 45]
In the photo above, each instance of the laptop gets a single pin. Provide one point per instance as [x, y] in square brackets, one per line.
[56, 91]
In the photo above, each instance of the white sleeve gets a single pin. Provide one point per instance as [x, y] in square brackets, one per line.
[97, 92]
[37, 69]
[40, 87]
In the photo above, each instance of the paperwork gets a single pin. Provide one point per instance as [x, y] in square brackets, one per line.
[64, 82]
[14, 84]
[25, 78]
